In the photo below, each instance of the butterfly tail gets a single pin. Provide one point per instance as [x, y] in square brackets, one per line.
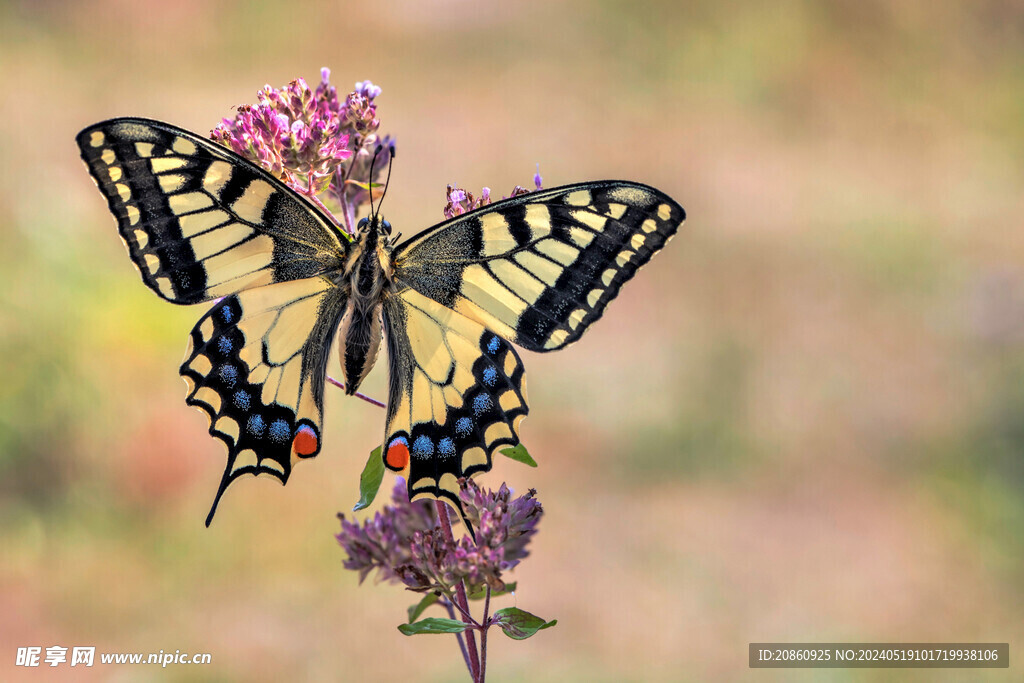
[469, 526]
[224, 483]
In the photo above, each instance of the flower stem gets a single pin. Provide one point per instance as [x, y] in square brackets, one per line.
[460, 595]
[316, 200]
[358, 394]
[483, 634]
[458, 636]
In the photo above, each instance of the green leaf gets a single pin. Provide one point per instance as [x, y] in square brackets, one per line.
[321, 184]
[520, 454]
[481, 592]
[369, 480]
[417, 609]
[433, 625]
[518, 624]
[360, 184]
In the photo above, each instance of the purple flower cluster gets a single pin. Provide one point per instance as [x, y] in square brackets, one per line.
[462, 201]
[502, 522]
[403, 542]
[312, 140]
[382, 543]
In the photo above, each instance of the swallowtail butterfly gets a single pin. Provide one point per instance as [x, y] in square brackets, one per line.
[202, 223]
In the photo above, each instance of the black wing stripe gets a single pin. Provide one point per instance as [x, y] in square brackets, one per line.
[199, 221]
[558, 300]
[542, 267]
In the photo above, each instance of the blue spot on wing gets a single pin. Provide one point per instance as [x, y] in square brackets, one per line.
[446, 447]
[242, 400]
[229, 375]
[493, 344]
[481, 404]
[224, 345]
[463, 426]
[423, 447]
[280, 432]
[256, 425]
[490, 376]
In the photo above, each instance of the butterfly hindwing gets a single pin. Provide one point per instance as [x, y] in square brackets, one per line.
[256, 366]
[457, 394]
[199, 221]
[539, 268]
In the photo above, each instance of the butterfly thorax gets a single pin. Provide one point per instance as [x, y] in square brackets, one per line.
[366, 276]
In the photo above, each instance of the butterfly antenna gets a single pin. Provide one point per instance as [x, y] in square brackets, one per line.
[391, 159]
[369, 181]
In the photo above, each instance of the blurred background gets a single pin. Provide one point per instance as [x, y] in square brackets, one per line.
[804, 421]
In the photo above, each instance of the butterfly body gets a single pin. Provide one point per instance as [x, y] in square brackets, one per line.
[204, 224]
[366, 279]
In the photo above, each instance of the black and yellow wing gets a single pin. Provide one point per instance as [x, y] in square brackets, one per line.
[256, 366]
[200, 222]
[538, 269]
[457, 394]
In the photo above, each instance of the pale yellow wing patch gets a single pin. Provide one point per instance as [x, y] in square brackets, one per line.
[458, 394]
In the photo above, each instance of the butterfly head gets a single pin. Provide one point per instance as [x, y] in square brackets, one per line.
[375, 233]
[380, 226]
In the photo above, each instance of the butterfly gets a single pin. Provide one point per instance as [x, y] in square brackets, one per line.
[202, 223]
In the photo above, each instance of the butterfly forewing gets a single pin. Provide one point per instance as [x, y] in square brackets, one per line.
[457, 394]
[201, 222]
[538, 269]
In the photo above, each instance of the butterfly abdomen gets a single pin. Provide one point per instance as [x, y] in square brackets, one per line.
[360, 328]
[359, 342]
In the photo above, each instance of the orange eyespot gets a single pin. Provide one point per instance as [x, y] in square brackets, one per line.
[397, 456]
[306, 442]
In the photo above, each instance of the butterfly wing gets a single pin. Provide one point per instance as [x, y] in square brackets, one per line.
[200, 222]
[256, 365]
[457, 394]
[540, 268]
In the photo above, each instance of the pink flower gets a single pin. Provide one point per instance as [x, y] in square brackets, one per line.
[310, 139]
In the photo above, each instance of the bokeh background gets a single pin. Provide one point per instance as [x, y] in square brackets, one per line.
[804, 421]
